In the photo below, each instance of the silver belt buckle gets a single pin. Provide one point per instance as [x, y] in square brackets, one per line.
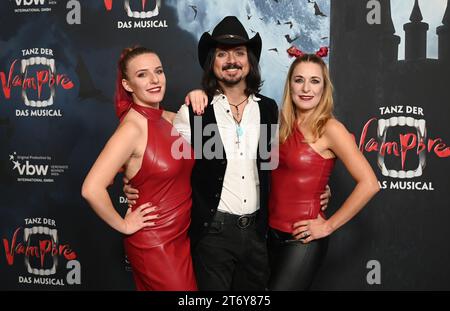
[243, 221]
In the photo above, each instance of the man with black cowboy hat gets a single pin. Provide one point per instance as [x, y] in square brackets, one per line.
[230, 190]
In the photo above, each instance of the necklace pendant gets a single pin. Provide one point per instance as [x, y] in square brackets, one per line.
[239, 131]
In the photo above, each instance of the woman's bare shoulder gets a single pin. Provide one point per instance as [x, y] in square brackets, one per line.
[130, 127]
[169, 115]
[334, 127]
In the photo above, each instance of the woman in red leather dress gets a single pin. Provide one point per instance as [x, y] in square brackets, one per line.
[156, 238]
[310, 141]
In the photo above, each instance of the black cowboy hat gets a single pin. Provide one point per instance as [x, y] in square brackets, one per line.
[229, 31]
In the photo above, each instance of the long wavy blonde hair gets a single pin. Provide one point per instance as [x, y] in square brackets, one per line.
[322, 112]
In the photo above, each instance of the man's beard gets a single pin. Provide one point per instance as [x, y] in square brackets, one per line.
[231, 81]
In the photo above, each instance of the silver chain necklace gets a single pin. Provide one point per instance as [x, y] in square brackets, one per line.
[237, 109]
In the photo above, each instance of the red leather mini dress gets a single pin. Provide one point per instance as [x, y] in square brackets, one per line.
[160, 255]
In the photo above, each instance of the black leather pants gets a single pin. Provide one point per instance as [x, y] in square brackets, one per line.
[293, 264]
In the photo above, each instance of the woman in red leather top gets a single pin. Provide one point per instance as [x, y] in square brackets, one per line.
[310, 141]
[156, 237]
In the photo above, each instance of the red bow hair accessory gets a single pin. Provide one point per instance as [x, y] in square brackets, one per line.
[293, 51]
[322, 52]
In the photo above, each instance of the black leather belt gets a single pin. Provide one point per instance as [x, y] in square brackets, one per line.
[242, 221]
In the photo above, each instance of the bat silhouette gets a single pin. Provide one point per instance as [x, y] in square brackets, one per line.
[195, 10]
[289, 39]
[289, 23]
[317, 10]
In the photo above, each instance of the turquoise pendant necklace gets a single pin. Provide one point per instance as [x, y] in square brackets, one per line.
[239, 129]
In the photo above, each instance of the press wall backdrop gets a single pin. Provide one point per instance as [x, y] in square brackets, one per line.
[390, 64]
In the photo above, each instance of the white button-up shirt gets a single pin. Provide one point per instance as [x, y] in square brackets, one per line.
[240, 192]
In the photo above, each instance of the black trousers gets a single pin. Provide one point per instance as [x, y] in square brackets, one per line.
[231, 256]
[293, 264]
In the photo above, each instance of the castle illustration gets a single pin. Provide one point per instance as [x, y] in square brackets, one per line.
[370, 80]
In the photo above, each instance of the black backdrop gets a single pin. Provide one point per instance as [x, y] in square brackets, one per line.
[57, 69]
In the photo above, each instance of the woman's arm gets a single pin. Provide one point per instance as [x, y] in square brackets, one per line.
[114, 155]
[341, 142]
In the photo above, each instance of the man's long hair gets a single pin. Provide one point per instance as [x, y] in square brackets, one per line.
[211, 85]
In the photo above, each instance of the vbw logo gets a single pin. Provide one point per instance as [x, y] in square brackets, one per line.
[29, 2]
[26, 168]
[30, 169]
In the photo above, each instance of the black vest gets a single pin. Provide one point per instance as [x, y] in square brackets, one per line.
[207, 175]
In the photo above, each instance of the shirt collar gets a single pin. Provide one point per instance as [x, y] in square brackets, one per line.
[223, 99]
